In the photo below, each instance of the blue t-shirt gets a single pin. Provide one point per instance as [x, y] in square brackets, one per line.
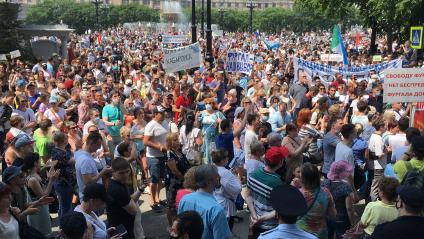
[225, 142]
[84, 164]
[277, 120]
[33, 98]
[214, 220]
[113, 113]
[359, 146]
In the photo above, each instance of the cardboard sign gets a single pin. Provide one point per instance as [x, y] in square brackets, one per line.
[182, 58]
[3, 57]
[331, 57]
[376, 58]
[404, 85]
[15, 54]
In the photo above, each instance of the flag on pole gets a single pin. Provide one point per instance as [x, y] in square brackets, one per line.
[357, 39]
[338, 46]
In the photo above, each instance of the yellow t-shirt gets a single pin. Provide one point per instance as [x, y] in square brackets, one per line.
[376, 213]
[401, 169]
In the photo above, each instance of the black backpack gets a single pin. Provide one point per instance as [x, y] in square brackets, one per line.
[413, 176]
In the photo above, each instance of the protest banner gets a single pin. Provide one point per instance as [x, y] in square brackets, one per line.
[238, 61]
[327, 72]
[3, 57]
[416, 37]
[181, 58]
[331, 57]
[173, 39]
[15, 54]
[404, 85]
[418, 116]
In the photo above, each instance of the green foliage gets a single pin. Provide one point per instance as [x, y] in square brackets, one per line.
[8, 25]
[303, 17]
[82, 16]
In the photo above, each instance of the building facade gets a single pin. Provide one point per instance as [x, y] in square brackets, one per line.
[236, 4]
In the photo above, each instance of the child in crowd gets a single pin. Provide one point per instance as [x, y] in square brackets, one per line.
[383, 210]
[257, 150]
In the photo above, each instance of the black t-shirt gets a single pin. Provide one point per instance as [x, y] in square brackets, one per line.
[404, 227]
[119, 197]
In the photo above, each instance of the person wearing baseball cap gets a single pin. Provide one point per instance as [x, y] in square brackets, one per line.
[23, 147]
[155, 140]
[410, 223]
[260, 184]
[289, 204]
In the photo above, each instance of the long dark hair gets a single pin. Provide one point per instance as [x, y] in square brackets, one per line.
[190, 118]
[310, 176]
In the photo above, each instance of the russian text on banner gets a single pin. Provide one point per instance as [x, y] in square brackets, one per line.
[404, 85]
[327, 72]
[238, 61]
[182, 58]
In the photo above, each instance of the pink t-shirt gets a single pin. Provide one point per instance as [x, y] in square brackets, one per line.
[180, 194]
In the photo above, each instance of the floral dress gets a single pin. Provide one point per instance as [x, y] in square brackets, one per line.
[318, 201]
[210, 131]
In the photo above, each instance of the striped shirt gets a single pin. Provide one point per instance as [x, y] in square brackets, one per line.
[312, 132]
[261, 184]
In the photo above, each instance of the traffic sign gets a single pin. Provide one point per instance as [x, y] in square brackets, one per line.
[416, 37]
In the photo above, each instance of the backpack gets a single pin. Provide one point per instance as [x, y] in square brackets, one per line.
[413, 176]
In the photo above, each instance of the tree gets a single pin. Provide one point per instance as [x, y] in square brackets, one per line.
[8, 25]
[82, 16]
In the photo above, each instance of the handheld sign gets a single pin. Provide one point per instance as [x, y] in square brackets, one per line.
[182, 58]
[15, 54]
[376, 58]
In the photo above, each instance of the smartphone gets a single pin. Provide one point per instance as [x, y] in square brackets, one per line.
[120, 230]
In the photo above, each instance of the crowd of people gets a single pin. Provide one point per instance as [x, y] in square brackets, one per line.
[86, 135]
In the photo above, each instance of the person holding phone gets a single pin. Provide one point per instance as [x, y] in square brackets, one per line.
[94, 200]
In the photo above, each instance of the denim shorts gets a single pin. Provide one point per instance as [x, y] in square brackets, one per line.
[156, 168]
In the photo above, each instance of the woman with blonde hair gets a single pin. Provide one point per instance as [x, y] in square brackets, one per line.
[177, 165]
[209, 122]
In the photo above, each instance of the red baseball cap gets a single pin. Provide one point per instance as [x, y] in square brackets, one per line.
[276, 154]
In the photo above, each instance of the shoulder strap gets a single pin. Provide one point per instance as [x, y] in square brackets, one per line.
[313, 202]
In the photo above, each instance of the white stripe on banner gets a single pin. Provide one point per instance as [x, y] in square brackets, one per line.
[182, 58]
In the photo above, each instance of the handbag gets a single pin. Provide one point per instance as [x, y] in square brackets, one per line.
[26, 231]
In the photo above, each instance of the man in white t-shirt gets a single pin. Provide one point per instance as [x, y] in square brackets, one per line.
[155, 140]
[377, 162]
[399, 139]
[250, 136]
[26, 113]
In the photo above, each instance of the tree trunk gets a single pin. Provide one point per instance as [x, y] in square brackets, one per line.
[389, 41]
[373, 47]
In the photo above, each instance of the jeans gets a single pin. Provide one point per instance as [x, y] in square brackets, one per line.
[374, 176]
[64, 193]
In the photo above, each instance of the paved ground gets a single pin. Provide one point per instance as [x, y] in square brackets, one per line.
[155, 224]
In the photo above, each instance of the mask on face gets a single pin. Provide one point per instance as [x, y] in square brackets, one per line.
[115, 101]
[97, 119]
[208, 107]
[264, 118]
[378, 93]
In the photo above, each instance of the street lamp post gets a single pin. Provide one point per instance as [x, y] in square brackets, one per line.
[209, 56]
[96, 4]
[193, 22]
[105, 8]
[251, 5]
[202, 19]
[221, 18]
